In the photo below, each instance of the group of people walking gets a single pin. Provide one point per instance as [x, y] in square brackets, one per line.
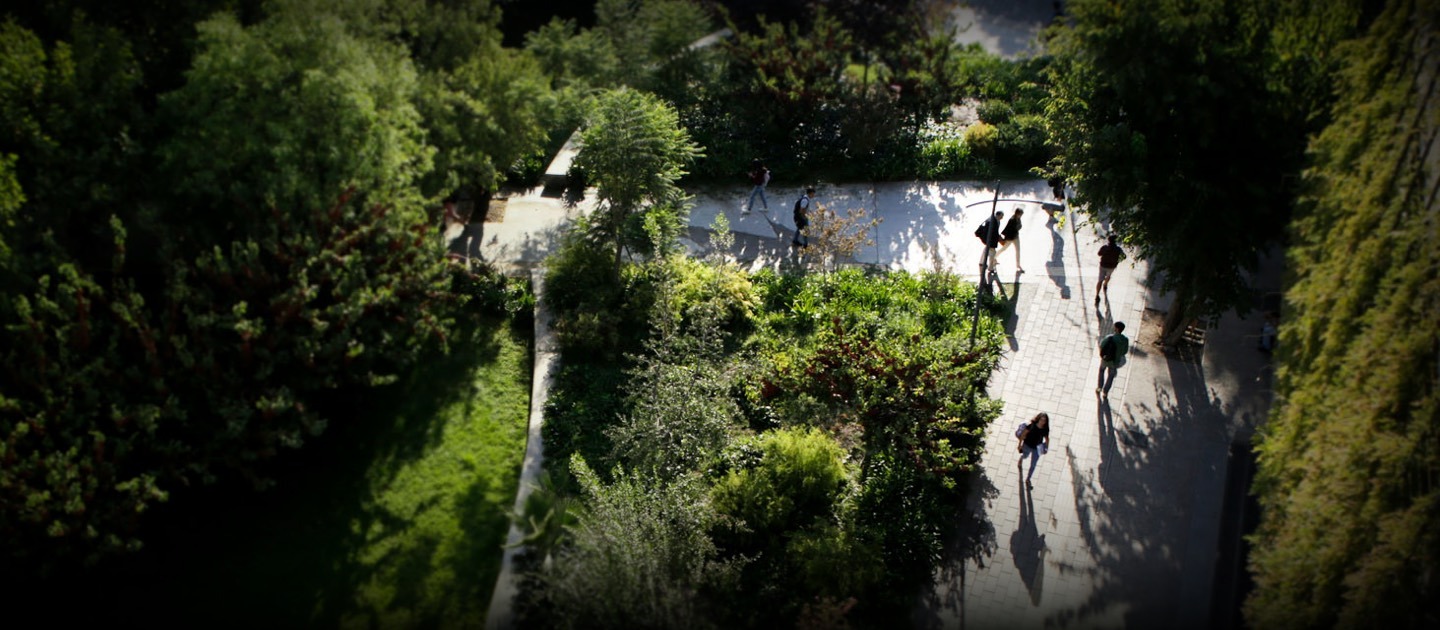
[759, 176]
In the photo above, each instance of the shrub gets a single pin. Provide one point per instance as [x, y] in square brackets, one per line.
[1023, 142]
[639, 557]
[982, 139]
[682, 413]
[598, 315]
[995, 112]
[795, 484]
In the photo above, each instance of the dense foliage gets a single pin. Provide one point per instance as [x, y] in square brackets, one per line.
[833, 416]
[1186, 145]
[633, 152]
[192, 269]
[1348, 463]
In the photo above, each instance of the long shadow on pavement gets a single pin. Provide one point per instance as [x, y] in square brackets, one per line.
[1135, 506]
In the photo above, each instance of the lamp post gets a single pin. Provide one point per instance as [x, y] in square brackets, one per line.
[985, 290]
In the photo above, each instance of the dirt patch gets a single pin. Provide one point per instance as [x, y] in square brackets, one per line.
[1152, 321]
[496, 212]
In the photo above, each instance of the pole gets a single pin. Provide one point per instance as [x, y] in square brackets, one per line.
[984, 288]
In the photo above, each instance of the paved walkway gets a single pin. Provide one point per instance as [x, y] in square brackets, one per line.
[1122, 526]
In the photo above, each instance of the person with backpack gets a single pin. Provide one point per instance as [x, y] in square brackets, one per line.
[760, 177]
[802, 218]
[1113, 349]
[989, 234]
[1110, 256]
[1034, 439]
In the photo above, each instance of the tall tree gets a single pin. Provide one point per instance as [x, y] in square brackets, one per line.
[1172, 123]
[292, 112]
[121, 381]
[633, 151]
[1349, 474]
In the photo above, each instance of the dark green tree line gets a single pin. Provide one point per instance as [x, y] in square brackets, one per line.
[190, 273]
[1349, 475]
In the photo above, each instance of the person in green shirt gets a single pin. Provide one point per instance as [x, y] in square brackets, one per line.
[1113, 349]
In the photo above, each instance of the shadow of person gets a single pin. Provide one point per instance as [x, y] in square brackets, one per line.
[468, 243]
[1109, 448]
[1056, 265]
[1027, 546]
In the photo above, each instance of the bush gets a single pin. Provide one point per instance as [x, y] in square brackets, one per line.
[599, 316]
[639, 557]
[995, 112]
[795, 484]
[1023, 142]
[982, 138]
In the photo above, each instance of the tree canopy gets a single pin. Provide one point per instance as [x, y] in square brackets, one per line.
[1172, 119]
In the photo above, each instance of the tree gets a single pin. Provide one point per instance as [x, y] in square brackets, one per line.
[290, 113]
[838, 238]
[1173, 122]
[1350, 520]
[633, 151]
[157, 350]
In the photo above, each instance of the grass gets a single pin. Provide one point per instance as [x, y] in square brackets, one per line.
[394, 518]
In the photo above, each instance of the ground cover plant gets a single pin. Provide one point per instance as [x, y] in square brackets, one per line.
[822, 426]
[396, 518]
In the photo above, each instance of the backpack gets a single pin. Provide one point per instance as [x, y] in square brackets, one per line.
[1107, 348]
[982, 231]
[800, 220]
[757, 176]
[1020, 430]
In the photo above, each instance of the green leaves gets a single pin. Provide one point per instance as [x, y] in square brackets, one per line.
[290, 116]
[633, 151]
[1347, 463]
[1172, 129]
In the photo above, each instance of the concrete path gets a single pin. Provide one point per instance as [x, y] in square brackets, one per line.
[1122, 526]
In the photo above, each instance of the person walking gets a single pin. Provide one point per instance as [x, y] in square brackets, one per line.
[760, 177]
[1010, 236]
[802, 218]
[1034, 439]
[1110, 255]
[1113, 349]
[989, 234]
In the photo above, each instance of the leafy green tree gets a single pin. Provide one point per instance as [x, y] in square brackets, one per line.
[574, 58]
[1171, 121]
[292, 112]
[72, 124]
[1350, 520]
[790, 77]
[141, 347]
[633, 151]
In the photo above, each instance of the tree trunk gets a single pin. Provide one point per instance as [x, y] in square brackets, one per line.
[1175, 322]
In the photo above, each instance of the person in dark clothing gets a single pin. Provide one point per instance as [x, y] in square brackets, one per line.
[1010, 236]
[989, 234]
[1110, 255]
[1034, 442]
[802, 219]
[760, 177]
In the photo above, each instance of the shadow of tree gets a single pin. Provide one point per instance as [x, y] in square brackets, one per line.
[1134, 506]
[973, 540]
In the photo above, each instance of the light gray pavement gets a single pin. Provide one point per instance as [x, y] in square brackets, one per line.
[1123, 524]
